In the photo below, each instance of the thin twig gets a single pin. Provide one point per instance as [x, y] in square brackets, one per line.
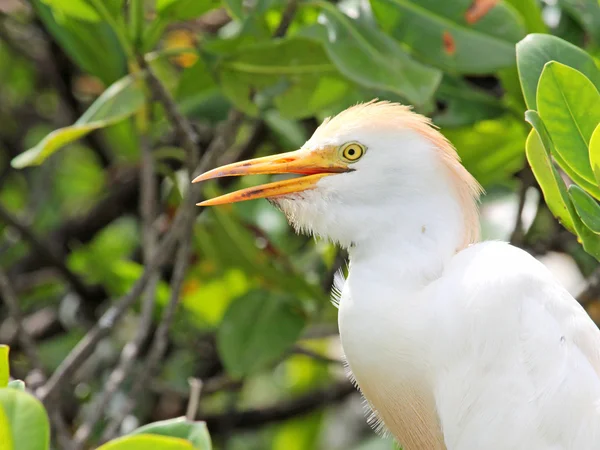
[131, 350]
[45, 252]
[301, 405]
[159, 343]
[286, 19]
[109, 319]
[158, 347]
[187, 136]
[194, 401]
[518, 234]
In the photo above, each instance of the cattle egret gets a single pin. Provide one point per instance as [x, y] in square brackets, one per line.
[455, 344]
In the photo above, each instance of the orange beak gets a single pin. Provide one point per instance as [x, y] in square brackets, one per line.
[315, 164]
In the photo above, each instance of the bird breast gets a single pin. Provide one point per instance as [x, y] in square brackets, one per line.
[384, 349]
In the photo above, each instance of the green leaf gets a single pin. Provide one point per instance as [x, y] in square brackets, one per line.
[194, 432]
[372, 59]
[27, 420]
[568, 104]
[257, 329]
[184, 9]
[552, 185]
[532, 15]
[294, 74]
[536, 50]
[79, 9]
[587, 13]
[5, 435]
[4, 367]
[17, 384]
[535, 120]
[595, 153]
[91, 45]
[147, 442]
[589, 240]
[118, 102]
[587, 208]
[447, 35]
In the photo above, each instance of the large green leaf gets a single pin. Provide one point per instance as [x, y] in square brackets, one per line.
[372, 59]
[294, 74]
[194, 432]
[587, 208]
[91, 45]
[568, 104]
[4, 369]
[536, 121]
[553, 187]
[118, 102]
[257, 329]
[536, 50]
[587, 13]
[5, 435]
[80, 9]
[531, 12]
[184, 9]
[448, 35]
[147, 442]
[27, 420]
[595, 153]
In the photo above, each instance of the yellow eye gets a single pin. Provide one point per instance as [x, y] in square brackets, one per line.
[352, 151]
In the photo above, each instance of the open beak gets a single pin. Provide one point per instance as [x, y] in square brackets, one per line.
[313, 164]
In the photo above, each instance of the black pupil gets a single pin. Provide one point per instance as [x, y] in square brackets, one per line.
[351, 152]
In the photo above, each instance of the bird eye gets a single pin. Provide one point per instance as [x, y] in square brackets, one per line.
[352, 151]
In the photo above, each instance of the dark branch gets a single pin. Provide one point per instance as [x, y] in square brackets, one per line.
[305, 404]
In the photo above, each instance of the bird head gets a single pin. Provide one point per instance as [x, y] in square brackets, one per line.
[375, 166]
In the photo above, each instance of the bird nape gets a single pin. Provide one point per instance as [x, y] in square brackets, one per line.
[455, 344]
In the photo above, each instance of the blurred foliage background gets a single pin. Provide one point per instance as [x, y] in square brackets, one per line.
[108, 108]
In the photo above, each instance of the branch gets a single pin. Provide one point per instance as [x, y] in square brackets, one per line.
[111, 317]
[302, 405]
[527, 180]
[41, 324]
[159, 344]
[286, 19]
[131, 350]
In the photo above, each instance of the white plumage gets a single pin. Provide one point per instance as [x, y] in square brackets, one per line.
[455, 345]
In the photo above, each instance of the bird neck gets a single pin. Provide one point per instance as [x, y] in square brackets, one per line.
[413, 247]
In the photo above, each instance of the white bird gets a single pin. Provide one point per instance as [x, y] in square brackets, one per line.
[455, 344]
